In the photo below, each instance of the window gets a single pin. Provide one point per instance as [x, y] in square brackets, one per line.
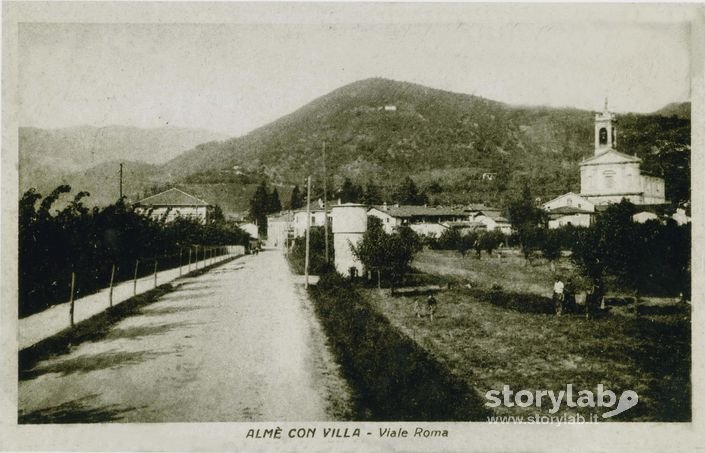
[570, 202]
[609, 179]
[603, 136]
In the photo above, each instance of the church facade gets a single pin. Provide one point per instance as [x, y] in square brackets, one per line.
[608, 176]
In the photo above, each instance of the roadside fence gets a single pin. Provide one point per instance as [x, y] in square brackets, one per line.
[121, 283]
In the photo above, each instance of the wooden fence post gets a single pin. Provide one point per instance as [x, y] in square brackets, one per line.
[189, 259]
[73, 286]
[155, 273]
[134, 282]
[180, 261]
[112, 280]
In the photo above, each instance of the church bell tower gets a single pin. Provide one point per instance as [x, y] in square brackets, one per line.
[605, 131]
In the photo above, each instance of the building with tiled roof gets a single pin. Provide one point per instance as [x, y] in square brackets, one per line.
[424, 220]
[570, 215]
[172, 204]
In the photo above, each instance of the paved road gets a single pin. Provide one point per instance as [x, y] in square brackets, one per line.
[238, 343]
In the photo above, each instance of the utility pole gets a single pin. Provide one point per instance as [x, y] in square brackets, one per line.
[325, 202]
[308, 229]
[120, 180]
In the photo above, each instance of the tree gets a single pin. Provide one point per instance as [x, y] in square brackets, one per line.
[606, 247]
[217, 216]
[490, 240]
[274, 203]
[408, 193]
[350, 192]
[465, 242]
[550, 246]
[297, 200]
[371, 250]
[259, 207]
[392, 253]
[372, 194]
[449, 239]
[527, 219]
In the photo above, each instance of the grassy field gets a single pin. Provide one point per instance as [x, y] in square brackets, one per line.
[510, 272]
[489, 346]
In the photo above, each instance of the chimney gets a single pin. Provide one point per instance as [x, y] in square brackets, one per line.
[385, 207]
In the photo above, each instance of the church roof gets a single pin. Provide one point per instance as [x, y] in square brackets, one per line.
[172, 197]
[610, 156]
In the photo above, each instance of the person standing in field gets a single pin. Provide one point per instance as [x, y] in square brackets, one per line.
[558, 295]
[417, 309]
[431, 304]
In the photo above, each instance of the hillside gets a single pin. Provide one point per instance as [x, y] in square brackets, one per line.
[437, 137]
[463, 148]
[677, 109]
[50, 155]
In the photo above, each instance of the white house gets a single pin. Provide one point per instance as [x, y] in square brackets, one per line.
[568, 215]
[569, 200]
[279, 229]
[251, 229]
[569, 209]
[680, 216]
[300, 223]
[173, 204]
[492, 220]
[644, 216]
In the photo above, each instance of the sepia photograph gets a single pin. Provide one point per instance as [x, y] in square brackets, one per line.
[353, 223]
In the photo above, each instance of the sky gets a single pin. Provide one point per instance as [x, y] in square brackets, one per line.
[233, 78]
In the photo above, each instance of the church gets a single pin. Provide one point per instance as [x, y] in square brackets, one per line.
[608, 176]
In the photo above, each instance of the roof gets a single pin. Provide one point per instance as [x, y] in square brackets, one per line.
[479, 207]
[494, 216]
[465, 224]
[655, 208]
[406, 211]
[172, 197]
[567, 210]
[620, 157]
[566, 195]
[282, 216]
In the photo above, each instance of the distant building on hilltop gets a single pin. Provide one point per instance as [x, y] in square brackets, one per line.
[172, 204]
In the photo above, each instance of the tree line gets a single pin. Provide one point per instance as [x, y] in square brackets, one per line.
[53, 243]
[652, 257]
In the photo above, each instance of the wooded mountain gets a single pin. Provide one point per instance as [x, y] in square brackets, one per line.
[384, 130]
[458, 147]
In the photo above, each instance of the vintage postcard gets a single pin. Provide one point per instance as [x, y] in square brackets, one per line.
[352, 226]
